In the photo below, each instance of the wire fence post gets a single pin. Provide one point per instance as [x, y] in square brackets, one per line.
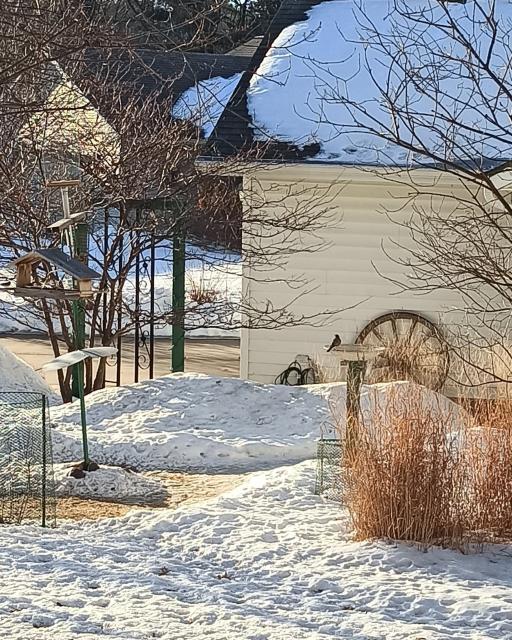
[178, 300]
[43, 465]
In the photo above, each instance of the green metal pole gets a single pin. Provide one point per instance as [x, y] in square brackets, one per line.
[80, 250]
[83, 416]
[178, 301]
[78, 379]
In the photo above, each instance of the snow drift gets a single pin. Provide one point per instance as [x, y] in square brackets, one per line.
[17, 375]
[184, 421]
[108, 483]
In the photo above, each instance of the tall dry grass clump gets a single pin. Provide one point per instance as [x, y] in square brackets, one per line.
[404, 479]
[200, 292]
[426, 470]
[488, 457]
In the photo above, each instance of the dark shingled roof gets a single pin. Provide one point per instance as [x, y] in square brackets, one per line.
[248, 48]
[147, 72]
[233, 132]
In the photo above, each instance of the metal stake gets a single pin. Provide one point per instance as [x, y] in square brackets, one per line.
[178, 300]
[43, 470]
[78, 380]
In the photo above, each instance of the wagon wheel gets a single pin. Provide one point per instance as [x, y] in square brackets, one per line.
[415, 349]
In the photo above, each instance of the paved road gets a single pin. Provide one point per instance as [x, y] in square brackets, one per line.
[216, 356]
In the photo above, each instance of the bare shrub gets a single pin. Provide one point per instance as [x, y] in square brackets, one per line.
[479, 369]
[200, 292]
[404, 479]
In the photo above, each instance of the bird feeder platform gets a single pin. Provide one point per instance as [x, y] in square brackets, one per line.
[357, 352]
[50, 294]
[66, 223]
[62, 184]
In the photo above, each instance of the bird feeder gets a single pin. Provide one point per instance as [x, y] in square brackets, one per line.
[56, 260]
[355, 357]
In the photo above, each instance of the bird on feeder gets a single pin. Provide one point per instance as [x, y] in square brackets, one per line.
[335, 343]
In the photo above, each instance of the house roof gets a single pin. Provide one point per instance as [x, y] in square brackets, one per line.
[233, 132]
[313, 87]
[72, 267]
[166, 75]
[247, 49]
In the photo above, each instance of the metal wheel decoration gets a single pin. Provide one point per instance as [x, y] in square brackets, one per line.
[415, 349]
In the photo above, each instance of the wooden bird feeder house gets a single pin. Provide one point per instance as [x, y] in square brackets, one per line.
[54, 260]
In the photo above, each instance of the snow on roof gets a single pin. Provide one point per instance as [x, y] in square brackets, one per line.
[319, 82]
[204, 103]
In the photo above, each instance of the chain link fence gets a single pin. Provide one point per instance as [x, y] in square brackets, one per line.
[27, 487]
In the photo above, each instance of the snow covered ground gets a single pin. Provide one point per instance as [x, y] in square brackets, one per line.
[266, 561]
[195, 421]
[110, 483]
[192, 420]
[184, 421]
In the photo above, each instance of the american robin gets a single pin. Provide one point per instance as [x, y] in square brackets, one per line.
[335, 343]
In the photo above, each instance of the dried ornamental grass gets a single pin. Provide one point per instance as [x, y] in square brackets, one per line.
[200, 293]
[488, 457]
[405, 479]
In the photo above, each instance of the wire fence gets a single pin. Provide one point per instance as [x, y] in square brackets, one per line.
[329, 471]
[27, 487]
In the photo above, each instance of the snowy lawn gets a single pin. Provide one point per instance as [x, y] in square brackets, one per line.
[267, 561]
[219, 318]
[195, 421]
[192, 420]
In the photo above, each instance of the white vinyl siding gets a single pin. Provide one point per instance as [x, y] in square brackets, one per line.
[352, 275]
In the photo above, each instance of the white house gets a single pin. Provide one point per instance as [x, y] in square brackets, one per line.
[308, 104]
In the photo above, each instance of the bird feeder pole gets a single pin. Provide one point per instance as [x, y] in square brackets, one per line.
[355, 357]
[76, 359]
[77, 240]
[78, 372]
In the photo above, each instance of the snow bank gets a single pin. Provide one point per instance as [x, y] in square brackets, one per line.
[320, 81]
[267, 561]
[111, 483]
[17, 375]
[192, 420]
[185, 421]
